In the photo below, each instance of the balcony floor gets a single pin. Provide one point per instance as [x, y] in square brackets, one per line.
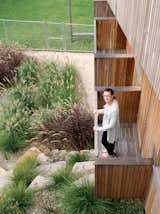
[128, 144]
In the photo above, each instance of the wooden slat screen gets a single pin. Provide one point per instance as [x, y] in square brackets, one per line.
[122, 181]
[114, 71]
[102, 9]
[109, 35]
[128, 104]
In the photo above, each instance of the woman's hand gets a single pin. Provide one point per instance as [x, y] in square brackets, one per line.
[97, 128]
[96, 112]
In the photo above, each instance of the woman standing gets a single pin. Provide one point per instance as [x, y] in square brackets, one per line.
[110, 123]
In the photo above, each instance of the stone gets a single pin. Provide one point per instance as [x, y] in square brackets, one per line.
[51, 168]
[92, 155]
[85, 167]
[42, 158]
[86, 152]
[32, 152]
[89, 178]
[40, 182]
[54, 154]
[5, 178]
[69, 154]
[62, 154]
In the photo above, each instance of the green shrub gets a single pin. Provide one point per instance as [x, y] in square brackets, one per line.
[19, 194]
[62, 177]
[14, 126]
[81, 199]
[25, 171]
[57, 85]
[9, 142]
[77, 158]
[28, 73]
[8, 205]
[25, 96]
[130, 207]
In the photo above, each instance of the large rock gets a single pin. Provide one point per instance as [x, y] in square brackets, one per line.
[69, 154]
[89, 178]
[42, 158]
[40, 182]
[62, 154]
[5, 178]
[85, 167]
[85, 152]
[32, 152]
[51, 168]
[92, 155]
[54, 154]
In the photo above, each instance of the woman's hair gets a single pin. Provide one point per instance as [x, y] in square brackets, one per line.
[111, 92]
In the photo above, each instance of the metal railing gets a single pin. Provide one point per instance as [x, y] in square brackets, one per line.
[48, 35]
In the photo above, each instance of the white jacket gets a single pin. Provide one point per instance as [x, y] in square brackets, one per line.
[110, 121]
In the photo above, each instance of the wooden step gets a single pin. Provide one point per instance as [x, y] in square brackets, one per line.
[119, 88]
[113, 54]
[104, 18]
[102, 8]
[124, 161]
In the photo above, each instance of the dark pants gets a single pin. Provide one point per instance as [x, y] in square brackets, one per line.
[106, 144]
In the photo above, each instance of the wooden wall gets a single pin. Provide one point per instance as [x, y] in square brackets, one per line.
[140, 22]
[124, 179]
[149, 119]
[128, 104]
[102, 9]
[152, 204]
[109, 35]
[114, 71]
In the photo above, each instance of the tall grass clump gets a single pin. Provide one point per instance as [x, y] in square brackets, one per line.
[130, 207]
[62, 177]
[57, 86]
[74, 158]
[28, 73]
[8, 205]
[25, 171]
[14, 127]
[20, 195]
[25, 96]
[81, 199]
[37, 87]
[9, 60]
[70, 130]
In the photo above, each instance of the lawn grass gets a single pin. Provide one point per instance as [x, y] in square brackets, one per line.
[32, 35]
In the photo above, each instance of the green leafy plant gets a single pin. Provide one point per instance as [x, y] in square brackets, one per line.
[57, 85]
[14, 126]
[25, 171]
[28, 73]
[81, 199]
[19, 194]
[77, 158]
[8, 205]
[62, 177]
[130, 207]
[25, 95]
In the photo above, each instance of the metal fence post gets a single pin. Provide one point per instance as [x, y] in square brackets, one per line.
[64, 36]
[6, 33]
[46, 35]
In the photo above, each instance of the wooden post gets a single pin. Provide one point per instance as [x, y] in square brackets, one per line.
[96, 135]
[46, 35]
[70, 19]
[6, 33]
